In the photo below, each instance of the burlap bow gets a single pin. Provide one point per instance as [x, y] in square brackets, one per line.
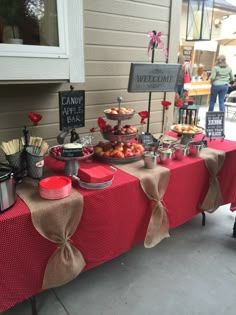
[214, 160]
[56, 220]
[154, 183]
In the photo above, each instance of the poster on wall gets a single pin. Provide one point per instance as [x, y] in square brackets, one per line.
[187, 52]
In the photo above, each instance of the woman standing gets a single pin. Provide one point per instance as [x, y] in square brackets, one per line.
[221, 76]
[185, 68]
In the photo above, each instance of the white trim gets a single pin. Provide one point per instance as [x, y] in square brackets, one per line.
[33, 62]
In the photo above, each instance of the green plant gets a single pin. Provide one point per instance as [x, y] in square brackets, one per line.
[9, 13]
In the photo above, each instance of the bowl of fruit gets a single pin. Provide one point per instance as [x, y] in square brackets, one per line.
[119, 113]
[118, 152]
[71, 151]
[125, 133]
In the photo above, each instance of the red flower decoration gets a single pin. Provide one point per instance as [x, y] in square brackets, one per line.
[189, 99]
[178, 102]
[92, 130]
[101, 123]
[35, 118]
[144, 115]
[165, 104]
[185, 93]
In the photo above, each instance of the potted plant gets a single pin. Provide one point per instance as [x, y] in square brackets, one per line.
[9, 13]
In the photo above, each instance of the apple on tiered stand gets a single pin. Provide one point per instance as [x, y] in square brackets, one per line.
[119, 113]
[120, 149]
[117, 133]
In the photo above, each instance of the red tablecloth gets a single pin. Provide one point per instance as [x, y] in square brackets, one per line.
[114, 220]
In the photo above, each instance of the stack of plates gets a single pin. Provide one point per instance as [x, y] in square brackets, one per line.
[55, 187]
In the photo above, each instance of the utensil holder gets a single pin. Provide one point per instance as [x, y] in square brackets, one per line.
[18, 162]
[35, 165]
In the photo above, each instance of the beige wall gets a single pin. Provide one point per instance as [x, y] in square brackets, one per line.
[115, 36]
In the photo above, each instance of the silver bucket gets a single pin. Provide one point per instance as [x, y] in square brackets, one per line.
[180, 152]
[150, 159]
[166, 155]
[194, 149]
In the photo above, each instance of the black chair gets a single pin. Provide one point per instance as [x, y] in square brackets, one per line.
[230, 104]
[188, 114]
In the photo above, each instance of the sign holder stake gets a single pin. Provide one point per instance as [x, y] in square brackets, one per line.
[150, 93]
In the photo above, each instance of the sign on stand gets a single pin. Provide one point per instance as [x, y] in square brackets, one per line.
[215, 125]
[71, 109]
[153, 77]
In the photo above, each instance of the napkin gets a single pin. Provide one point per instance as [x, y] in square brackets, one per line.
[95, 173]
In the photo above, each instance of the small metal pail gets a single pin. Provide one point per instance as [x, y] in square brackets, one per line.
[150, 159]
[166, 155]
[194, 148]
[180, 152]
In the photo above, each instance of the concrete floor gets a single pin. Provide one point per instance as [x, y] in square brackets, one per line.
[191, 273]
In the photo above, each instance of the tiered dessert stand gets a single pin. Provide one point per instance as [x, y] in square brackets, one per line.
[117, 137]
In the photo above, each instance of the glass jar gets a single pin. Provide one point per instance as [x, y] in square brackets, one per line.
[200, 70]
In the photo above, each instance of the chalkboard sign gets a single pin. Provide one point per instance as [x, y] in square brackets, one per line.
[67, 152]
[153, 77]
[71, 109]
[215, 125]
[187, 52]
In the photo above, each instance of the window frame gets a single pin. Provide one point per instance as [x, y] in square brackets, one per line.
[32, 63]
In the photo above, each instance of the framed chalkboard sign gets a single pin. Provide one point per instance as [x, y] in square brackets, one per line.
[153, 77]
[71, 109]
[215, 124]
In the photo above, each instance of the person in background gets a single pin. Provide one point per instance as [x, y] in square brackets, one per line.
[185, 67]
[221, 76]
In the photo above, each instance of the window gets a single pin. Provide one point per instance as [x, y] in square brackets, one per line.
[36, 37]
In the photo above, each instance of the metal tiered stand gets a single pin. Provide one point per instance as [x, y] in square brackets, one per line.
[186, 137]
[119, 137]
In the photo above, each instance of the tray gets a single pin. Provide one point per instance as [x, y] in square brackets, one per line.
[192, 133]
[118, 116]
[119, 138]
[95, 185]
[118, 160]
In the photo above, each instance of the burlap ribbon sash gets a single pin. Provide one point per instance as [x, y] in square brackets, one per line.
[214, 160]
[154, 183]
[56, 220]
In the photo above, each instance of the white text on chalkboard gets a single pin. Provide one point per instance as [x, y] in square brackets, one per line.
[71, 100]
[73, 119]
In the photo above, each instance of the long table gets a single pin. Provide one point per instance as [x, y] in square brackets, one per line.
[114, 220]
[199, 89]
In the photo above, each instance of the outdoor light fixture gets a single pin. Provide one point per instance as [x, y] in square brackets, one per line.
[199, 20]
